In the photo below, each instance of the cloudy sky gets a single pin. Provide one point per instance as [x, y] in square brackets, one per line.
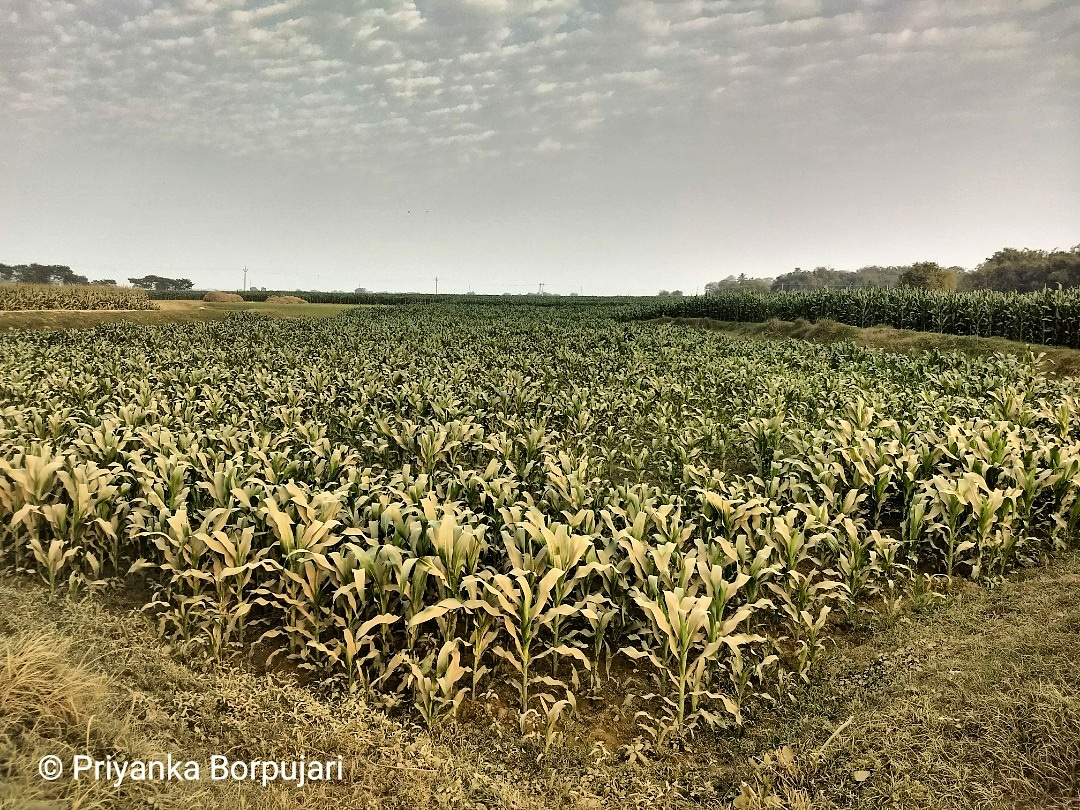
[590, 145]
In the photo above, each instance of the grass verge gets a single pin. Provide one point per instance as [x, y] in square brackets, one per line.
[1066, 362]
[971, 703]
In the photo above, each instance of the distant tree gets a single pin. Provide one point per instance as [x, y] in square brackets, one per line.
[820, 278]
[828, 278]
[1063, 267]
[965, 279]
[878, 276]
[1013, 269]
[360, 290]
[1027, 270]
[160, 283]
[105, 282]
[663, 293]
[41, 274]
[740, 283]
[797, 280]
[929, 276]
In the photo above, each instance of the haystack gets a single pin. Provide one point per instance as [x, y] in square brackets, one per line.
[285, 299]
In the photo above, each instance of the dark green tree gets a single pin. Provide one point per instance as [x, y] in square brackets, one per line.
[740, 283]
[929, 276]
[40, 274]
[820, 278]
[160, 283]
[1027, 270]
[878, 276]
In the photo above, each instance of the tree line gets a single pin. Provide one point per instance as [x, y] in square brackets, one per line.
[62, 274]
[1008, 270]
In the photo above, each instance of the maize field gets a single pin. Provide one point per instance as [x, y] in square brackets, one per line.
[70, 296]
[398, 298]
[448, 505]
[1050, 317]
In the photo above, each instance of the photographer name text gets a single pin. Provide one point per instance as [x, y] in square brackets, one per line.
[219, 768]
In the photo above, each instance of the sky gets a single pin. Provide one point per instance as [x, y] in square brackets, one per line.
[591, 146]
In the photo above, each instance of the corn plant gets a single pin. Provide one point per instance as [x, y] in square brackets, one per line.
[680, 623]
[526, 612]
[434, 682]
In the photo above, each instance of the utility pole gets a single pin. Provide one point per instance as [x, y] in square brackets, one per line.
[541, 288]
[436, 285]
[245, 279]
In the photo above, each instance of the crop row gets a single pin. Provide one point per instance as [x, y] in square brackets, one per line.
[1051, 317]
[57, 296]
[522, 506]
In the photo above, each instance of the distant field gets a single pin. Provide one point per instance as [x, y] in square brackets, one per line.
[1049, 317]
[30, 297]
[167, 312]
[321, 297]
[1064, 362]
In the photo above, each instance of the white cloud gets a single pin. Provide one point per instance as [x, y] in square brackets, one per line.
[549, 145]
[439, 73]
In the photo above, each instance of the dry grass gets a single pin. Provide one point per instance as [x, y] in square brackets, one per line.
[155, 705]
[974, 703]
[286, 299]
[48, 704]
[39, 685]
[217, 297]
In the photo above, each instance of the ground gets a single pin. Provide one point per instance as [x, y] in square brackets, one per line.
[972, 701]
